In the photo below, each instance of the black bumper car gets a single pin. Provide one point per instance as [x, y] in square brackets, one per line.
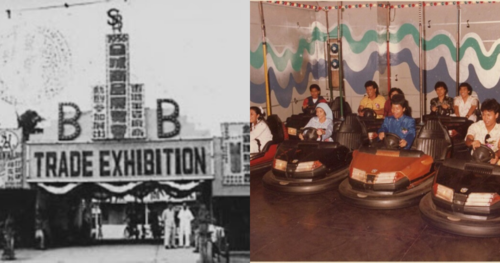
[352, 133]
[457, 129]
[465, 197]
[383, 177]
[306, 167]
[370, 120]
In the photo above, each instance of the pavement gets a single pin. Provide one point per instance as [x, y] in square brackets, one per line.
[123, 253]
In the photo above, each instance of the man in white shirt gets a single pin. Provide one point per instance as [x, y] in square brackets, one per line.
[486, 131]
[185, 217]
[168, 218]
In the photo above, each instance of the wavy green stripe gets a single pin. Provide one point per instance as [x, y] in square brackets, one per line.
[256, 57]
[486, 62]
[358, 46]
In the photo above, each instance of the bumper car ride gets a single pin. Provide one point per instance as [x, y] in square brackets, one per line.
[465, 197]
[385, 177]
[305, 167]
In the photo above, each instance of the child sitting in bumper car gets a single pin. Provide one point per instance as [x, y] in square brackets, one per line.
[399, 123]
[323, 123]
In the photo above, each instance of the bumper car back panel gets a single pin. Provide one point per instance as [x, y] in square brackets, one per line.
[303, 186]
[416, 167]
[384, 200]
[457, 223]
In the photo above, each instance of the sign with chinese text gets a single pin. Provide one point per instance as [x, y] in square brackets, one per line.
[11, 163]
[117, 79]
[236, 153]
[118, 107]
[99, 112]
[137, 123]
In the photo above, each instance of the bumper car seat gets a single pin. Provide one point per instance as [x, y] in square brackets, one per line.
[352, 132]
[433, 139]
[336, 108]
[276, 126]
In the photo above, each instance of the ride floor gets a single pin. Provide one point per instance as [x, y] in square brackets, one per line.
[322, 227]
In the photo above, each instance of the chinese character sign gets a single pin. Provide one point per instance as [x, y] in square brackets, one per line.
[118, 107]
[99, 112]
[236, 153]
[117, 76]
[137, 123]
[11, 165]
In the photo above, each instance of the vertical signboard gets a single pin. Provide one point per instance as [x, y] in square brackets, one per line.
[117, 76]
[236, 153]
[99, 112]
[137, 123]
[118, 107]
[11, 163]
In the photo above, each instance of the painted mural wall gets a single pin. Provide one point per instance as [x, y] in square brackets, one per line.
[296, 41]
[296, 56]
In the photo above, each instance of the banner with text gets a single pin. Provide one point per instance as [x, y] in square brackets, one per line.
[11, 163]
[120, 161]
[236, 153]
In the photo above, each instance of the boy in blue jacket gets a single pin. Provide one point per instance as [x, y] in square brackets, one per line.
[399, 124]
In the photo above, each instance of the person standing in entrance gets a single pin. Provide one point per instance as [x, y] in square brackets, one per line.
[185, 217]
[168, 218]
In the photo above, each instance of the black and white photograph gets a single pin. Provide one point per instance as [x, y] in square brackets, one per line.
[123, 131]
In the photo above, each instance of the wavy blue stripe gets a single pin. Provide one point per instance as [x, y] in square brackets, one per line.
[356, 79]
[284, 95]
[481, 90]
[440, 73]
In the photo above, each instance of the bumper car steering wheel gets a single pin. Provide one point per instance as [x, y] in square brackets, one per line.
[369, 114]
[483, 154]
[391, 140]
[310, 134]
[309, 110]
[442, 112]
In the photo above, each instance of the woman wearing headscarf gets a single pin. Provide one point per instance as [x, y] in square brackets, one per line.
[260, 133]
[323, 122]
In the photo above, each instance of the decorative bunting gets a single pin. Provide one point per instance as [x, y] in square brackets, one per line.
[58, 190]
[296, 5]
[119, 189]
[181, 187]
[353, 6]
